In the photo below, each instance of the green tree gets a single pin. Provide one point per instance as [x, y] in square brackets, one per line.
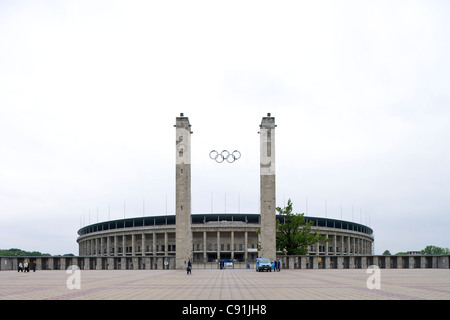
[19, 252]
[295, 234]
[435, 250]
[386, 253]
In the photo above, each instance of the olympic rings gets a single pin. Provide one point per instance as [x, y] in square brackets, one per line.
[225, 155]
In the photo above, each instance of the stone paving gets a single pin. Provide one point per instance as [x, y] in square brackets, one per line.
[238, 284]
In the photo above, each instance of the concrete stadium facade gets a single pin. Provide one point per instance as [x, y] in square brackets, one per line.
[214, 236]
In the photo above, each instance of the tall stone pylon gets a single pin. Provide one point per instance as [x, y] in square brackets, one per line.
[267, 188]
[183, 249]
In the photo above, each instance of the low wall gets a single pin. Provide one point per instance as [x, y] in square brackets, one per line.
[91, 263]
[364, 261]
[287, 262]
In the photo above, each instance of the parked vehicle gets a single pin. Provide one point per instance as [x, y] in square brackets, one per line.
[225, 264]
[263, 264]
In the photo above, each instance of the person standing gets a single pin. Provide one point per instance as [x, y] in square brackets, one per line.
[279, 265]
[20, 269]
[189, 267]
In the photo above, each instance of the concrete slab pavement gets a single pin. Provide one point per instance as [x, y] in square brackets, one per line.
[237, 284]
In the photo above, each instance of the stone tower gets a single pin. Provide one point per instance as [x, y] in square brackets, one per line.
[183, 192]
[267, 187]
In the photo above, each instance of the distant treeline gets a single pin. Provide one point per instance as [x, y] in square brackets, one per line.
[429, 250]
[18, 252]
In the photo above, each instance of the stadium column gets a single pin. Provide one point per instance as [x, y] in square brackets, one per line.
[267, 188]
[183, 242]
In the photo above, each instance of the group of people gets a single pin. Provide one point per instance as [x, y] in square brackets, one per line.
[25, 267]
[276, 265]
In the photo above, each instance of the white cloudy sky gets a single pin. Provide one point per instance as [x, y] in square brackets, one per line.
[89, 93]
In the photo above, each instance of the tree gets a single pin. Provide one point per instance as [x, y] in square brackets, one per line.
[295, 234]
[435, 250]
[19, 252]
[386, 253]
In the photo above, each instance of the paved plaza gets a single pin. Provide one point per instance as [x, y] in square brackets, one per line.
[237, 284]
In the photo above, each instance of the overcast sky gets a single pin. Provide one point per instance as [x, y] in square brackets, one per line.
[89, 93]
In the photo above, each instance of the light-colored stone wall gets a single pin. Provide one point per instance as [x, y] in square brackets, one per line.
[288, 262]
[183, 192]
[267, 187]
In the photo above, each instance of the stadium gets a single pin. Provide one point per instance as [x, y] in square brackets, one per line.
[207, 238]
[214, 237]
[170, 241]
